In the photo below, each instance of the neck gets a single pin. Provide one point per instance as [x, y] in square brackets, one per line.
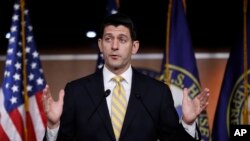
[118, 71]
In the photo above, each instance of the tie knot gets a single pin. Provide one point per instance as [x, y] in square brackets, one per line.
[118, 79]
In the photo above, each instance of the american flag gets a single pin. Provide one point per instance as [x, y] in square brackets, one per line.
[112, 8]
[16, 122]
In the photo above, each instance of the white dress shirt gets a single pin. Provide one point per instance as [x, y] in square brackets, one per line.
[109, 84]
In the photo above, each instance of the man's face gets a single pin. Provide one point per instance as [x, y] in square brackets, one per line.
[117, 48]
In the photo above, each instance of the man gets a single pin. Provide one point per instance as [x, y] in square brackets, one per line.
[138, 108]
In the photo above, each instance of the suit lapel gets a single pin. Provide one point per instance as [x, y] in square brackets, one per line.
[96, 92]
[133, 103]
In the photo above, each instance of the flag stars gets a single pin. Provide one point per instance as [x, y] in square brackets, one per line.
[12, 40]
[10, 51]
[8, 62]
[35, 54]
[33, 65]
[29, 39]
[13, 29]
[113, 11]
[14, 88]
[7, 85]
[26, 12]
[16, 6]
[19, 54]
[13, 100]
[27, 49]
[16, 76]
[29, 88]
[30, 28]
[13, 73]
[7, 73]
[31, 77]
[18, 65]
[15, 18]
[41, 70]
[39, 81]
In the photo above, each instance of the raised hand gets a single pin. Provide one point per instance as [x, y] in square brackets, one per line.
[52, 108]
[191, 108]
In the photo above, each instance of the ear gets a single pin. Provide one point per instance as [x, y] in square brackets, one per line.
[100, 45]
[135, 47]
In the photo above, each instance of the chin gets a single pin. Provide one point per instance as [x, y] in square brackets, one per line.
[115, 64]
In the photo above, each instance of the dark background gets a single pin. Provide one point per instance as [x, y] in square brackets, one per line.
[214, 24]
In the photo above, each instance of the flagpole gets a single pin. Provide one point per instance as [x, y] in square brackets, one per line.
[117, 2]
[245, 109]
[26, 102]
[167, 77]
[184, 3]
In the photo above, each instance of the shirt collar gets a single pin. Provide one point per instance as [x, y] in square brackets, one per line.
[108, 75]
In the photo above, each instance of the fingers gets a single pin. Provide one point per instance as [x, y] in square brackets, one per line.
[203, 93]
[46, 91]
[61, 95]
[185, 94]
[47, 99]
[203, 98]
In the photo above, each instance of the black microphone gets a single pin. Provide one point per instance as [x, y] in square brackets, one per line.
[106, 94]
[138, 96]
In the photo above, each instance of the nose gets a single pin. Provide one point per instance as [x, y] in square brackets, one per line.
[115, 44]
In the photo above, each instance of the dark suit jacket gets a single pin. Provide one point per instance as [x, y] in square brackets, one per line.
[150, 115]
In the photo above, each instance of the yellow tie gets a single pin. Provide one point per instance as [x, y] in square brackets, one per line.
[118, 106]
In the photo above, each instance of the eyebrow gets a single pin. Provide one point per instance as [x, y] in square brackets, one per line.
[110, 34]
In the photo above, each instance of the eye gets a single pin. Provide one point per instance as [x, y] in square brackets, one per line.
[107, 39]
[123, 40]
